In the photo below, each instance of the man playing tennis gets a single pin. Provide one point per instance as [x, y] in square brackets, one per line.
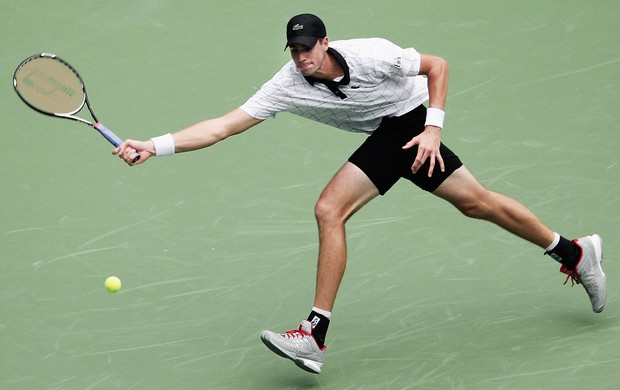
[375, 87]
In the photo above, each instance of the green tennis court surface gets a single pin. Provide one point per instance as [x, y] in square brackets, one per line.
[214, 246]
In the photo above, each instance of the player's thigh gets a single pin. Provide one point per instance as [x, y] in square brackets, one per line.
[348, 191]
[462, 189]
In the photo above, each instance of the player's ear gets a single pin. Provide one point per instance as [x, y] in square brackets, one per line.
[325, 43]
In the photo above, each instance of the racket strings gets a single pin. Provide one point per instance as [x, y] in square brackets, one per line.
[49, 85]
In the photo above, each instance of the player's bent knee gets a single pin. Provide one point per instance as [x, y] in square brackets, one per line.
[475, 209]
[326, 211]
[323, 210]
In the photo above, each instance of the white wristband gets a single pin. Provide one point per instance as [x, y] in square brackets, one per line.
[434, 117]
[164, 145]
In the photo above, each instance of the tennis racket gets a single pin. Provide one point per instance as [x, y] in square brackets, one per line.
[49, 85]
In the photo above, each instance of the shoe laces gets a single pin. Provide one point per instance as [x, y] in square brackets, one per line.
[295, 334]
[573, 275]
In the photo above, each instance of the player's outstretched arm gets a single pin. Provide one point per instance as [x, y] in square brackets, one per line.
[198, 136]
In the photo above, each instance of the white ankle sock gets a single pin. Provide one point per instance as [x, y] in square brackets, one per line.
[325, 313]
[556, 239]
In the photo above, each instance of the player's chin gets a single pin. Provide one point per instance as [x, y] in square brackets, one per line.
[307, 70]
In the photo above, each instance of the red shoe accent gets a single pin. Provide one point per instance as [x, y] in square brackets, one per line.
[573, 275]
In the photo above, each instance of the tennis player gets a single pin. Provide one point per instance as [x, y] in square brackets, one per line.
[372, 86]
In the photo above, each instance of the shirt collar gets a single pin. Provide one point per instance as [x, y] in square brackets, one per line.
[343, 64]
[331, 84]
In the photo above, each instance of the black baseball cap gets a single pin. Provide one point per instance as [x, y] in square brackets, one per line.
[305, 29]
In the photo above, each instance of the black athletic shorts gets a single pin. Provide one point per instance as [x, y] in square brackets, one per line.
[383, 160]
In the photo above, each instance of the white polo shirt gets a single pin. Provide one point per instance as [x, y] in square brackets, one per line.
[384, 81]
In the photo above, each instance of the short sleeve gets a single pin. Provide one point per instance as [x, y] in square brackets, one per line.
[269, 100]
[393, 59]
[410, 62]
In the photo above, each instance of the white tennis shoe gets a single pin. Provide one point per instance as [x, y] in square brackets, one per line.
[298, 345]
[589, 272]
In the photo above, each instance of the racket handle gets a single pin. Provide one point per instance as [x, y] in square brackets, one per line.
[112, 138]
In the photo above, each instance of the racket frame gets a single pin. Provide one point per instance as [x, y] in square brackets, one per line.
[68, 115]
[108, 134]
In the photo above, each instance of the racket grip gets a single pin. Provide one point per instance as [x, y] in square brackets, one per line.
[112, 138]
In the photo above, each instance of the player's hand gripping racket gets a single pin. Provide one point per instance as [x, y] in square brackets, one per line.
[51, 86]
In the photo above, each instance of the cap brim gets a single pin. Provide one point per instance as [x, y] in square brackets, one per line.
[302, 40]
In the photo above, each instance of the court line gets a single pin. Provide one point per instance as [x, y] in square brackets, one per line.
[31, 229]
[39, 264]
[141, 347]
[463, 91]
[120, 229]
[572, 369]
[212, 355]
[565, 74]
[556, 76]
[206, 290]
[163, 282]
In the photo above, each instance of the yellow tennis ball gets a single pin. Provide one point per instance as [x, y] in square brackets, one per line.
[113, 284]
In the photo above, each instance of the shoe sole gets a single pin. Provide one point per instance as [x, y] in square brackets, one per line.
[305, 364]
[598, 251]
